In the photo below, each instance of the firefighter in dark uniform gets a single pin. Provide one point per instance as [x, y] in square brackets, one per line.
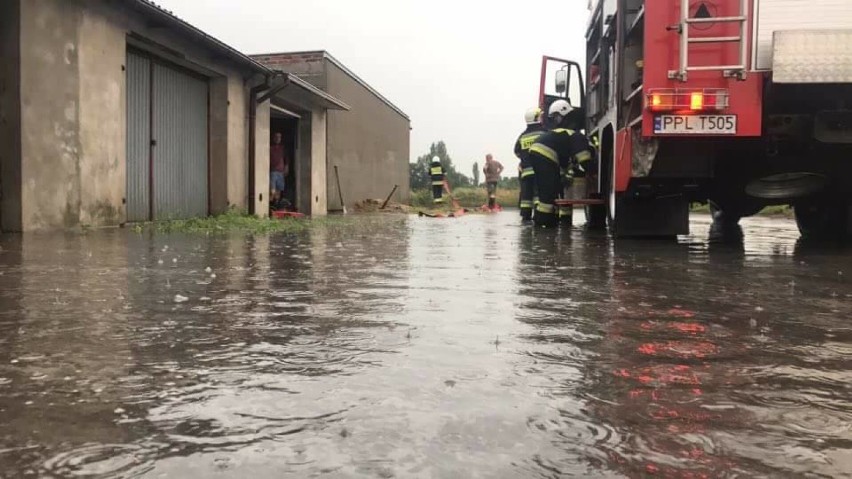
[565, 214]
[437, 175]
[527, 175]
[562, 148]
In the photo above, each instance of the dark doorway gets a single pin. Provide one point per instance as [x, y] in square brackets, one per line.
[288, 126]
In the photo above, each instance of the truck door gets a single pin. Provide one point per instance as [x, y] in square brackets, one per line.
[561, 79]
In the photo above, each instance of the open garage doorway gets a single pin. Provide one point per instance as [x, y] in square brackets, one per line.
[286, 123]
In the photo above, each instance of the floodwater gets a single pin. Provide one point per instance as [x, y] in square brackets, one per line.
[468, 347]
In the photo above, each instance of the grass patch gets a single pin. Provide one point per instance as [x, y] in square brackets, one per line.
[778, 210]
[467, 197]
[239, 221]
[699, 208]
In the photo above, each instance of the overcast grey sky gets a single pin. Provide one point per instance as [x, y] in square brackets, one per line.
[464, 71]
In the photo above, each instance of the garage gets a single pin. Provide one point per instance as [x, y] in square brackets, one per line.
[167, 141]
[369, 145]
[144, 118]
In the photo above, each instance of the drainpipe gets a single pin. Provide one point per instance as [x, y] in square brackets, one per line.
[254, 101]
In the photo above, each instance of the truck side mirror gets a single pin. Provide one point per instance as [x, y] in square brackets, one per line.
[568, 83]
[561, 81]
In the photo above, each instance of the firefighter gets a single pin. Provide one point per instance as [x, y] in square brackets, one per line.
[527, 174]
[437, 175]
[565, 214]
[563, 147]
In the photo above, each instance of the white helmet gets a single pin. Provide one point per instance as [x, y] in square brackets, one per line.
[436, 159]
[561, 108]
[533, 116]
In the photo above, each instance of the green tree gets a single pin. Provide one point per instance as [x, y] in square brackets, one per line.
[419, 177]
[475, 173]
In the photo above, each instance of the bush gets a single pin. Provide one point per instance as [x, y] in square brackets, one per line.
[421, 198]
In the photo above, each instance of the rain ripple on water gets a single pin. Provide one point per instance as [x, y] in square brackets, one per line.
[424, 348]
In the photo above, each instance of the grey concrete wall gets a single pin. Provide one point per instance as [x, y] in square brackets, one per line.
[102, 136]
[219, 188]
[10, 116]
[369, 144]
[319, 176]
[73, 114]
[304, 155]
[50, 116]
[237, 150]
[261, 171]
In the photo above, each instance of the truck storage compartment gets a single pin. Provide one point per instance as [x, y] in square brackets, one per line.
[812, 56]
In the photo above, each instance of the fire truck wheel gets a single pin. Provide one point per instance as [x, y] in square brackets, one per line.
[611, 207]
[822, 219]
[596, 217]
[787, 186]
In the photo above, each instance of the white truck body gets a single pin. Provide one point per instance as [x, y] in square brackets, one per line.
[804, 16]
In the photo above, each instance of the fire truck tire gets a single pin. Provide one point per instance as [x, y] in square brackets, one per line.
[610, 212]
[610, 208]
[596, 217]
[787, 186]
[822, 219]
[659, 217]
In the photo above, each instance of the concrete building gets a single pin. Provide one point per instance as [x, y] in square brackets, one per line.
[368, 144]
[116, 110]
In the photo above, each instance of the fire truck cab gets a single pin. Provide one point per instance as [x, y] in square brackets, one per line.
[737, 103]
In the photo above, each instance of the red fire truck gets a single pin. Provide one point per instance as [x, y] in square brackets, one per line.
[736, 103]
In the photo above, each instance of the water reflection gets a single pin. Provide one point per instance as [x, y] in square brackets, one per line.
[52, 384]
[666, 374]
[123, 348]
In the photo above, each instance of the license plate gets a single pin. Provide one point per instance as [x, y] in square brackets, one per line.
[695, 124]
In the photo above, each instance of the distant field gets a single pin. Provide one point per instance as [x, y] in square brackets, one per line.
[467, 197]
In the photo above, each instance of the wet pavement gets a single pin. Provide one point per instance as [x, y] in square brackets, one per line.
[468, 347]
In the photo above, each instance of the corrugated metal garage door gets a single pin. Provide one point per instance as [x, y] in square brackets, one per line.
[167, 174]
[138, 137]
[180, 149]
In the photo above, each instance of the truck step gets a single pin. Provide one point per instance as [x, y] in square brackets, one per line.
[584, 202]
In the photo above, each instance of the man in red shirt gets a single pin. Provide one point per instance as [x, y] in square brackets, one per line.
[279, 167]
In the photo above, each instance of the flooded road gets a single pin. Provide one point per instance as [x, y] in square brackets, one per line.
[469, 347]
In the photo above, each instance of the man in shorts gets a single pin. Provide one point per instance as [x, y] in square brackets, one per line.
[492, 170]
